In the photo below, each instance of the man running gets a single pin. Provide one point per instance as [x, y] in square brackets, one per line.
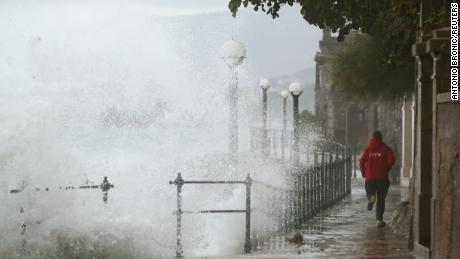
[375, 163]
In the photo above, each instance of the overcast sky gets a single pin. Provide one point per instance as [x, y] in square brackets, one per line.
[289, 40]
[275, 46]
[178, 7]
[160, 7]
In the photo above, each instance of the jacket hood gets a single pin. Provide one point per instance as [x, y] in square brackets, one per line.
[374, 144]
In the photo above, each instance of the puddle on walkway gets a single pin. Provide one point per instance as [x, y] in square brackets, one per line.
[347, 230]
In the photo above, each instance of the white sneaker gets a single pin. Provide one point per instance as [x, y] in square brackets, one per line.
[380, 224]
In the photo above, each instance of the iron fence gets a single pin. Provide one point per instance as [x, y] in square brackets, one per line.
[180, 182]
[308, 190]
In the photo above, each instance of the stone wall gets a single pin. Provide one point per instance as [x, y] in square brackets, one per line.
[435, 184]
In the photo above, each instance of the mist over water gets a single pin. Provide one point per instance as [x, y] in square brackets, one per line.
[89, 90]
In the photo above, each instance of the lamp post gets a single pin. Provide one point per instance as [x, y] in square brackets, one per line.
[296, 90]
[264, 84]
[233, 53]
[284, 94]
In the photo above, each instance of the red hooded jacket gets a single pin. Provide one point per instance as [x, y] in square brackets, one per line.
[376, 160]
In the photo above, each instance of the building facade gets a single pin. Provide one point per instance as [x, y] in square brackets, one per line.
[348, 122]
[345, 121]
[340, 119]
[435, 181]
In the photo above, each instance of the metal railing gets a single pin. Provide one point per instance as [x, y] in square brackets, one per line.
[104, 186]
[309, 190]
[179, 182]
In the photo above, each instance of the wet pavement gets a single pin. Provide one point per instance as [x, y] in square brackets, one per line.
[347, 230]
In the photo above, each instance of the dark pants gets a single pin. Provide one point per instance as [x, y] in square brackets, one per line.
[379, 187]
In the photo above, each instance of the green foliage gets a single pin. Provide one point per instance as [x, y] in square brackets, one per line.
[393, 22]
[438, 18]
[392, 25]
[317, 12]
[361, 73]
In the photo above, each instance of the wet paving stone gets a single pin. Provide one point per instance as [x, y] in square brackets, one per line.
[347, 230]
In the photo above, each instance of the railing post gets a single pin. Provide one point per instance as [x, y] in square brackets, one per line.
[300, 194]
[299, 199]
[331, 175]
[322, 184]
[339, 171]
[311, 192]
[304, 196]
[333, 180]
[347, 163]
[307, 196]
[296, 199]
[343, 174]
[292, 219]
[247, 240]
[339, 165]
[307, 184]
[315, 191]
[315, 159]
[354, 163]
[105, 187]
[337, 175]
[318, 189]
[328, 168]
[323, 166]
[330, 180]
[179, 182]
[349, 171]
[323, 187]
[291, 201]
